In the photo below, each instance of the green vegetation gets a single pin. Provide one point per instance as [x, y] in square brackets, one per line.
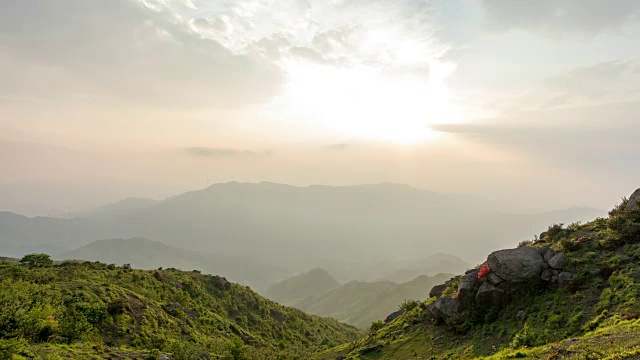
[596, 316]
[90, 310]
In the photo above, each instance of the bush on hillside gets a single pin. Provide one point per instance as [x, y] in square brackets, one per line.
[408, 305]
[36, 261]
[623, 225]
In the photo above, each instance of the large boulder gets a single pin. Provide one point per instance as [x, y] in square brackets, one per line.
[516, 265]
[437, 290]
[559, 261]
[445, 308]
[634, 200]
[489, 295]
[547, 253]
[468, 287]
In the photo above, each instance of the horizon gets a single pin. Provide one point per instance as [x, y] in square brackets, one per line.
[525, 103]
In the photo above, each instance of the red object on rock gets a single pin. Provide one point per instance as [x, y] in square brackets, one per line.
[483, 272]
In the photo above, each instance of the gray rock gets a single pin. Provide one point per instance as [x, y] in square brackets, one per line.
[163, 357]
[559, 261]
[549, 254]
[521, 314]
[548, 274]
[494, 279]
[431, 308]
[437, 290]
[394, 315]
[516, 265]
[448, 307]
[565, 278]
[325, 341]
[468, 287]
[489, 295]
[634, 200]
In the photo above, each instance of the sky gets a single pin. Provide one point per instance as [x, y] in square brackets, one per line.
[531, 103]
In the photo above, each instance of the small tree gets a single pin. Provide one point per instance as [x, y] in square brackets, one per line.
[37, 260]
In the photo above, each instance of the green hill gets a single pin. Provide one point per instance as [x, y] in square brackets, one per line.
[90, 310]
[361, 303]
[148, 254]
[312, 283]
[572, 294]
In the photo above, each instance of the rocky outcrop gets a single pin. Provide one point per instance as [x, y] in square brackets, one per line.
[634, 200]
[489, 295]
[437, 290]
[468, 287]
[445, 308]
[516, 265]
[559, 261]
[494, 284]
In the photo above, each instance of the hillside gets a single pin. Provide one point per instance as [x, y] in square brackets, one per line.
[310, 284]
[147, 254]
[361, 303]
[572, 293]
[98, 311]
[315, 224]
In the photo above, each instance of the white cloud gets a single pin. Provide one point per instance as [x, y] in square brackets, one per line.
[123, 50]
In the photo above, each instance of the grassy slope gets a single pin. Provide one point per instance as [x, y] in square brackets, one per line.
[595, 319]
[104, 311]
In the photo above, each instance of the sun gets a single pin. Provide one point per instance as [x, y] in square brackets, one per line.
[369, 103]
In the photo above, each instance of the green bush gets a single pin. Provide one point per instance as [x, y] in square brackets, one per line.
[36, 260]
[376, 325]
[11, 347]
[409, 305]
[237, 350]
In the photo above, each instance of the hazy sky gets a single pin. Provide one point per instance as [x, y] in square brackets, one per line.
[533, 102]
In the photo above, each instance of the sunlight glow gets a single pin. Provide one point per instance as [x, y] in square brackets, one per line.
[370, 103]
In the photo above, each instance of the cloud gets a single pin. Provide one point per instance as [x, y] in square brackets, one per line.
[125, 50]
[588, 17]
[222, 152]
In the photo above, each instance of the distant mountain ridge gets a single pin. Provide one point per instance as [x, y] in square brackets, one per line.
[312, 283]
[293, 227]
[361, 303]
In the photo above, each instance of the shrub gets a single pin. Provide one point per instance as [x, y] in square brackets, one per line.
[525, 337]
[10, 347]
[237, 350]
[36, 261]
[74, 326]
[555, 231]
[376, 325]
[408, 305]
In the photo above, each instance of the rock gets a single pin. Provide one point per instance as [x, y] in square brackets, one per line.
[468, 287]
[558, 261]
[548, 254]
[489, 295]
[494, 279]
[565, 278]
[371, 348]
[548, 274]
[437, 290]
[634, 200]
[341, 357]
[516, 265]
[394, 316]
[163, 357]
[325, 341]
[431, 308]
[543, 235]
[521, 314]
[447, 308]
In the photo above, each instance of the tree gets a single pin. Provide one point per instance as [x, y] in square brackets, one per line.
[37, 260]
